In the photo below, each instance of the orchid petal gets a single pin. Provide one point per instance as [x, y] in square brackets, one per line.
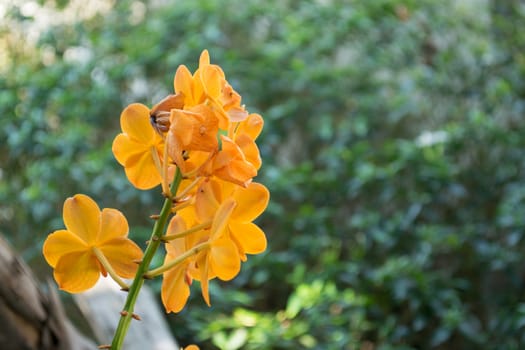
[248, 236]
[252, 126]
[183, 83]
[123, 255]
[251, 202]
[231, 165]
[224, 259]
[176, 246]
[135, 122]
[76, 272]
[168, 103]
[82, 217]
[206, 202]
[204, 278]
[142, 171]
[60, 243]
[249, 149]
[237, 114]
[125, 148]
[204, 59]
[175, 291]
[212, 81]
[113, 224]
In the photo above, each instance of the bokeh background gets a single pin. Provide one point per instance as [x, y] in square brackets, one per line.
[394, 150]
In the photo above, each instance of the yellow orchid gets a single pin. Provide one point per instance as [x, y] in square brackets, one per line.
[93, 242]
[205, 84]
[239, 158]
[191, 130]
[209, 86]
[231, 164]
[221, 259]
[223, 213]
[250, 202]
[202, 255]
[193, 88]
[139, 148]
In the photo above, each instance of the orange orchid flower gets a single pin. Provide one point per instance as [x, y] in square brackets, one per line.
[223, 98]
[205, 84]
[209, 86]
[139, 148]
[249, 149]
[250, 203]
[93, 242]
[191, 130]
[218, 257]
[221, 259]
[231, 164]
[231, 210]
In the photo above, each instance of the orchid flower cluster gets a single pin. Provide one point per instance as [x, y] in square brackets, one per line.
[199, 145]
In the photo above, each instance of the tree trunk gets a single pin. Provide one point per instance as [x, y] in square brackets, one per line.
[30, 318]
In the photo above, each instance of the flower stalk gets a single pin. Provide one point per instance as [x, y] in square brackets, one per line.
[138, 281]
[107, 266]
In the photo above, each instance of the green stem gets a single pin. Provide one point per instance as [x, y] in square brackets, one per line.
[138, 281]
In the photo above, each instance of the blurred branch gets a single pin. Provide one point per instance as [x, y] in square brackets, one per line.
[30, 318]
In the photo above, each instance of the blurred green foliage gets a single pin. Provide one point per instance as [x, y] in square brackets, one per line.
[393, 148]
